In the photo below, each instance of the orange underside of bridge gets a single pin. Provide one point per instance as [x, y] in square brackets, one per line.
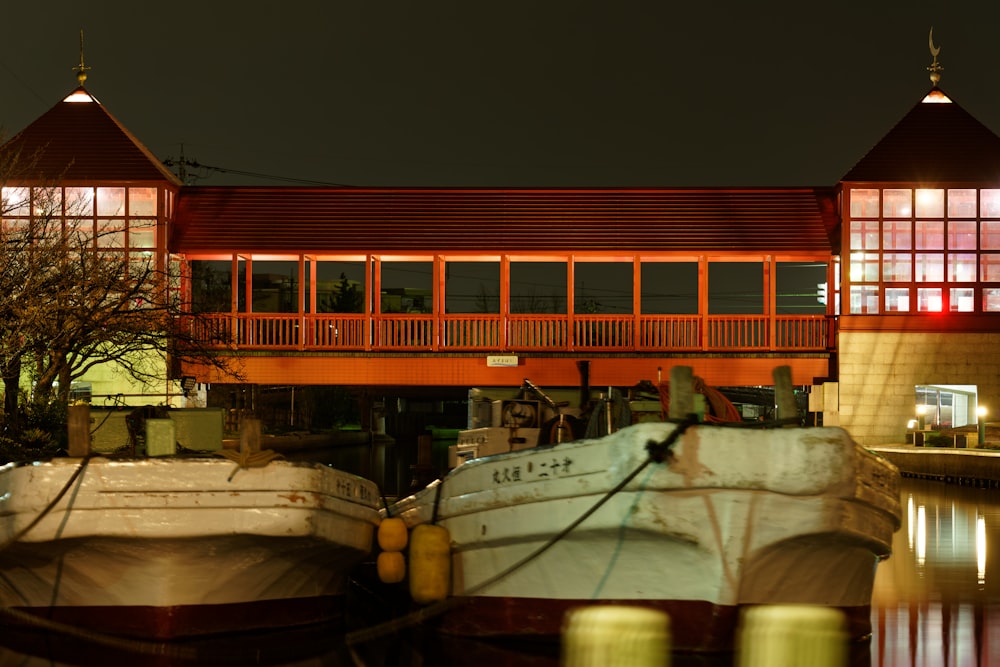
[473, 370]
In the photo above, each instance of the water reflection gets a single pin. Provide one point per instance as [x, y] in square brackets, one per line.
[937, 599]
[936, 603]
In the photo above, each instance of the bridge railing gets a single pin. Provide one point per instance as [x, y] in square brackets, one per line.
[514, 332]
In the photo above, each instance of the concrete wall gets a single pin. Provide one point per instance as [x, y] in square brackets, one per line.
[879, 370]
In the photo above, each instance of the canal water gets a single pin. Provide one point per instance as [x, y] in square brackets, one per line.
[936, 603]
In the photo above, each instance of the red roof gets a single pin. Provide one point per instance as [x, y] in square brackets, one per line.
[362, 220]
[937, 142]
[81, 141]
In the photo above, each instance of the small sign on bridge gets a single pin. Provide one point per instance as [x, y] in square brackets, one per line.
[501, 360]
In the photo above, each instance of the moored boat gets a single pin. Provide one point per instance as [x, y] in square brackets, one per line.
[696, 519]
[168, 547]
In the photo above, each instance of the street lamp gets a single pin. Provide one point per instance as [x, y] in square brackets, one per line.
[981, 415]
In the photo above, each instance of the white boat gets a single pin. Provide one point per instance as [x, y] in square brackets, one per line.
[171, 547]
[731, 517]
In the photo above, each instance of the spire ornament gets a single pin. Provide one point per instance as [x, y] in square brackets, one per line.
[935, 69]
[81, 69]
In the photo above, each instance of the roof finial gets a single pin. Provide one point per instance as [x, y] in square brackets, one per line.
[81, 69]
[935, 69]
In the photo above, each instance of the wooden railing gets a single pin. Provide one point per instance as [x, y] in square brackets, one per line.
[495, 333]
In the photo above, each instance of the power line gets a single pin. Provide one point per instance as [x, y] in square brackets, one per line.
[182, 164]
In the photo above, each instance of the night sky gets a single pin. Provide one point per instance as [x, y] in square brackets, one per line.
[514, 93]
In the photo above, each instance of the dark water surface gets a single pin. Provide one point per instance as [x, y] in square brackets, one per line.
[936, 604]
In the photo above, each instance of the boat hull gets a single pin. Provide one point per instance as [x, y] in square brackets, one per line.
[167, 548]
[733, 518]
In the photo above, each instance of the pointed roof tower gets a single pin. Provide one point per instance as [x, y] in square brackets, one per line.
[937, 141]
[78, 140]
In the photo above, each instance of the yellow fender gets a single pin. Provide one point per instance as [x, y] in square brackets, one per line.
[392, 535]
[430, 563]
[391, 566]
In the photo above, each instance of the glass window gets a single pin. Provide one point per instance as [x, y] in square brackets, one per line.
[989, 235]
[897, 267]
[989, 268]
[110, 201]
[16, 201]
[79, 202]
[211, 286]
[961, 268]
[929, 235]
[864, 299]
[897, 235]
[472, 287]
[962, 203]
[898, 203]
[142, 233]
[897, 299]
[538, 287]
[275, 287]
[735, 288]
[962, 235]
[929, 299]
[340, 287]
[797, 286]
[669, 288]
[991, 300]
[110, 234]
[864, 267]
[142, 201]
[407, 287]
[929, 267]
[961, 299]
[930, 203]
[989, 203]
[864, 203]
[864, 235]
[602, 287]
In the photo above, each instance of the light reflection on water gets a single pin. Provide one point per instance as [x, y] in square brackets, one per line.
[936, 603]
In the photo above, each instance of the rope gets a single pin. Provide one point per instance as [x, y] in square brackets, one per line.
[658, 452]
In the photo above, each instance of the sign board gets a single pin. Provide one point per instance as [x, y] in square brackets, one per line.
[501, 360]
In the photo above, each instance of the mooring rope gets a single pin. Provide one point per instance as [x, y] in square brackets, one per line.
[658, 453]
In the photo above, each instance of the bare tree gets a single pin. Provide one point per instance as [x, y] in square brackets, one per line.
[72, 298]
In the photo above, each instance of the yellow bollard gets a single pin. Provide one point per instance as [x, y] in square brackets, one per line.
[615, 636]
[430, 563]
[792, 636]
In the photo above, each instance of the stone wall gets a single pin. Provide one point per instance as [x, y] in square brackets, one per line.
[879, 370]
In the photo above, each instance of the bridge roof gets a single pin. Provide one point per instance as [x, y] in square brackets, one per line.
[363, 220]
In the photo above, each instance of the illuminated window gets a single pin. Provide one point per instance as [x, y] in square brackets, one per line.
[111, 201]
[929, 267]
[991, 300]
[929, 299]
[961, 268]
[989, 268]
[142, 201]
[962, 203]
[897, 299]
[864, 299]
[897, 235]
[962, 235]
[961, 299]
[989, 235]
[897, 268]
[930, 203]
[929, 235]
[864, 235]
[864, 203]
[897, 203]
[864, 267]
[989, 203]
